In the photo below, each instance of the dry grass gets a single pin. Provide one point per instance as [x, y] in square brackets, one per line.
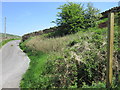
[46, 45]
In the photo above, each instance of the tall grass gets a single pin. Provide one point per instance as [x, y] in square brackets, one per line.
[32, 77]
[48, 45]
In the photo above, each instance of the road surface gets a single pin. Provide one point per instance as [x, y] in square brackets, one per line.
[14, 64]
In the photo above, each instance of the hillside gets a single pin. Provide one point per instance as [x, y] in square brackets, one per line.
[73, 56]
[9, 37]
[2, 35]
[71, 61]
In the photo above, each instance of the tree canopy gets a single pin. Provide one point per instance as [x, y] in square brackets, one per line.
[74, 16]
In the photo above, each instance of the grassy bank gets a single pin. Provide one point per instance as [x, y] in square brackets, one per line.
[32, 77]
[6, 41]
[72, 61]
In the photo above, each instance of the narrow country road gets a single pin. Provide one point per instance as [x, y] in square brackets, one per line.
[14, 64]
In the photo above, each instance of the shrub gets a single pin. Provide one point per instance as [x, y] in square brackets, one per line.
[77, 58]
[73, 17]
[94, 85]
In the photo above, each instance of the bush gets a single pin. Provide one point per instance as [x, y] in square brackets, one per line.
[73, 17]
[94, 85]
[84, 60]
[77, 58]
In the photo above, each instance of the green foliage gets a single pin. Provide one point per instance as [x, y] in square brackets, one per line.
[82, 59]
[6, 41]
[83, 64]
[117, 17]
[94, 85]
[34, 77]
[73, 17]
[91, 15]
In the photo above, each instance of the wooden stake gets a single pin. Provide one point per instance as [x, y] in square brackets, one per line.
[110, 50]
[119, 47]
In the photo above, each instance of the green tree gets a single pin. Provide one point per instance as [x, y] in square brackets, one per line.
[91, 15]
[71, 17]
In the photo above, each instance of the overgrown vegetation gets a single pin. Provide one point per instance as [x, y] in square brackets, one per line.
[68, 61]
[73, 17]
[33, 78]
[73, 60]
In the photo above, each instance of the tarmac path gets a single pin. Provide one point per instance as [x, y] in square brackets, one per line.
[13, 64]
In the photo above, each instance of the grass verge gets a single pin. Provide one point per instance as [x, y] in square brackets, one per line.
[32, 77]
[6, 41]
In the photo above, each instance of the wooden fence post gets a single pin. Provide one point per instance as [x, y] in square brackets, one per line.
[119, 47]
[110, 50]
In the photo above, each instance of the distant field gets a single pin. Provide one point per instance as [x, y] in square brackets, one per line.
[8, 35]
[8, 38]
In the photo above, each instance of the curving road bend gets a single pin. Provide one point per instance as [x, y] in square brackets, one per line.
[14, 64]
